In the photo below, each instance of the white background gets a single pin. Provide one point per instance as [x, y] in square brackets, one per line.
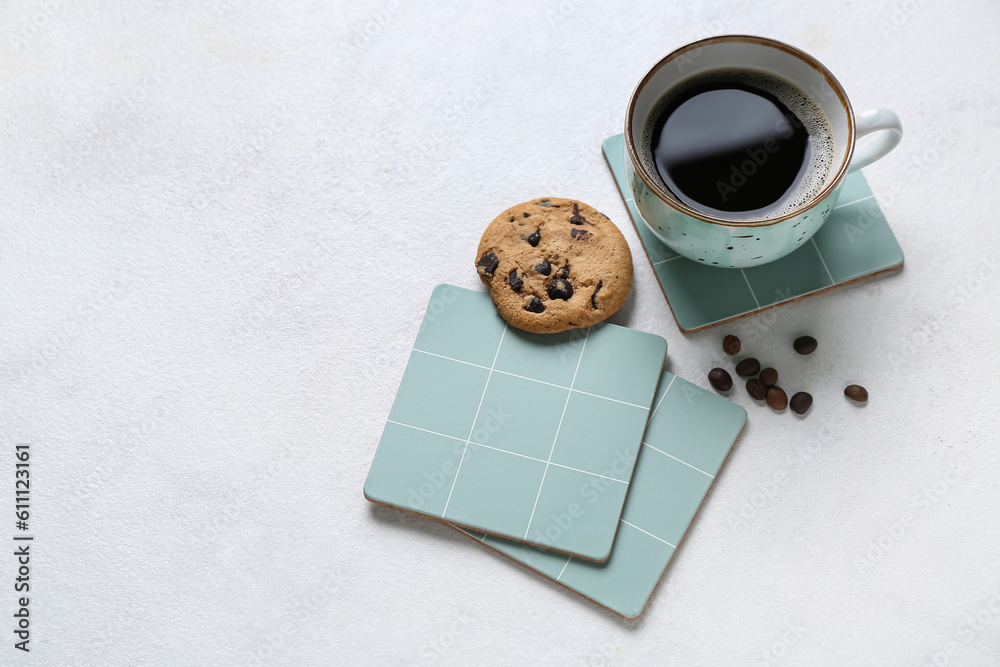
[221, 223]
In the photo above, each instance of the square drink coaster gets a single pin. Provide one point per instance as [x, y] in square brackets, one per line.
[854, 243]
[689, 436]
[496, 429]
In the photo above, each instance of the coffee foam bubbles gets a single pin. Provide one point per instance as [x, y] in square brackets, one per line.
[809, 113]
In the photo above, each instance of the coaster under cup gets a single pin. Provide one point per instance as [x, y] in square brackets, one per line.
[854, 243]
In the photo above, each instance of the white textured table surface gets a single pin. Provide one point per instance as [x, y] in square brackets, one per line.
[221, 223]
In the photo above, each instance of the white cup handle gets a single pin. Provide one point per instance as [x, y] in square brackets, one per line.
[883, 121]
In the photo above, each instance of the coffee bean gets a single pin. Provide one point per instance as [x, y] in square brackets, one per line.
[769, 377]
[805, 344]
[487, 264]
[856, 392]
[777, 398]
[544, 267]
[720, 379]
[559, 289]
[731, 345]
[593, 297]
[534, 305]
[516, 282]
[801, 402]
[748, 367]
[534, 237]
[756, 389]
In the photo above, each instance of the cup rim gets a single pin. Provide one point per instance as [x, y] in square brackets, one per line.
[653, 184]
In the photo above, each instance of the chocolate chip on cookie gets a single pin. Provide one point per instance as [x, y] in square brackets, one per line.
[559, 289]
[568, 267]
[487, 264]
[534, 305]
[593, 297]
[515, 281]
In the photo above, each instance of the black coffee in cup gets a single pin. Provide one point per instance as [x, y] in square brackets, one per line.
[739, 144]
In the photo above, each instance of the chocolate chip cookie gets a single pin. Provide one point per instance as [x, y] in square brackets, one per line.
[554, 264]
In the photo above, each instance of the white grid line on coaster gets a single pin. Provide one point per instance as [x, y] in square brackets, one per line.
[417, 428]
[653, 412]
[678, 460]
[474, 419]
[568, 559]
[660, 402]
[558, 428]
[648, 533]
[506, 451]
[530, 379]
[566, 564]
[558, 465]
[856, 201]
[749, 287]
[469, 533]
[823, 261]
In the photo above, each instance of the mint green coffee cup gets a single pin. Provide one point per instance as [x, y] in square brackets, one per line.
[732, 239]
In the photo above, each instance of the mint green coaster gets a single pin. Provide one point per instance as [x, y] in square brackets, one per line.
[854, 243]
[687, 440]
[501, 430]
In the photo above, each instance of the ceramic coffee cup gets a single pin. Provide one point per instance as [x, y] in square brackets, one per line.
[725, 241]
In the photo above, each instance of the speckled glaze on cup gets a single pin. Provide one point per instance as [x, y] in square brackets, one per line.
[722, 242]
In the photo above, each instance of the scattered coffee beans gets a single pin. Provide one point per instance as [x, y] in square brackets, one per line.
[805, 344]
[748, 367]
[720, 379]
[765, 386]
[731, 345]
[856, 392]
[777, 398]
[756, 389]
[801, 402]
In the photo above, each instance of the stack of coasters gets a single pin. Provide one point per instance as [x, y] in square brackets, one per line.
[687, 440]
[529, 443]
[493, 427]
